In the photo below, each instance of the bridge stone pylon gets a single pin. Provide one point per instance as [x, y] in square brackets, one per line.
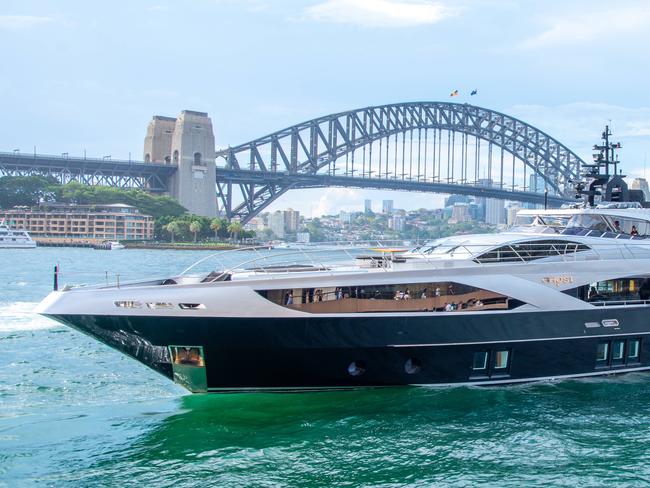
[186, 142]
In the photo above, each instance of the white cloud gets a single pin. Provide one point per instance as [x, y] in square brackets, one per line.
[20, 22]
[379, 13]
[591, 25]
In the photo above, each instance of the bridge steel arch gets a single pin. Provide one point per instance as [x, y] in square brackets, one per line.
[302, 155]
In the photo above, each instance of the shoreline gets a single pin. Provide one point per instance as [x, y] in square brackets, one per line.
[151, 245]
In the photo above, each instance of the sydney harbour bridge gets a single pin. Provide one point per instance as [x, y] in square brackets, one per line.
[435, 147]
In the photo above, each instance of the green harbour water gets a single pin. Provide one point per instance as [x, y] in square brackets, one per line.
[74, 412]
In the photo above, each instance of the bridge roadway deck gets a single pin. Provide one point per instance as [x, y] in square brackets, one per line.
[155, 177]
[105, 172]
[297, 181]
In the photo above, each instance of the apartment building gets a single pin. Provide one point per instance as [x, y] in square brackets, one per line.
[88, 223]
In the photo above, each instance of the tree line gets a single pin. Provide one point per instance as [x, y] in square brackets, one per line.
[195, 228]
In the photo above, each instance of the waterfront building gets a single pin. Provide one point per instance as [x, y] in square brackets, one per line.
[460, 213]
[276, 223]
[302, 237]
[345, 218]
[397, 223]
[58, 222]
[291, 221]
[494, 211]
[255, 224]
[452, 200]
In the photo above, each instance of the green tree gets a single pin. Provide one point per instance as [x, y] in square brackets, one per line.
[216, 225]
[173, 228]
[25, 190]
[195, 228]
[234, 228]
[156, 206]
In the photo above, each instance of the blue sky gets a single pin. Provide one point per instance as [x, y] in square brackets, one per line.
[81, 75]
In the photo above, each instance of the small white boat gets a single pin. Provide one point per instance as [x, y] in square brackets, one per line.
[14, 239]
[116, 246]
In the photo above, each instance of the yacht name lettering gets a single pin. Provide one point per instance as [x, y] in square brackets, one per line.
[557, 280]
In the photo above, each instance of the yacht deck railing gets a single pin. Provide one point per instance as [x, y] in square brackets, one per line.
[280, 263]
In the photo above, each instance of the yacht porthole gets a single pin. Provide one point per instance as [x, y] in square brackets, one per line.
[412, 366]
[357, 368]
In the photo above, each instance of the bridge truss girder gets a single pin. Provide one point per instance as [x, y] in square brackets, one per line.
[102, 172]
[314, 147]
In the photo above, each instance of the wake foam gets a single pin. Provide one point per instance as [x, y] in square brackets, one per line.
[20, 316]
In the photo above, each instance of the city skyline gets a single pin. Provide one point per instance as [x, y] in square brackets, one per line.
[90, 88]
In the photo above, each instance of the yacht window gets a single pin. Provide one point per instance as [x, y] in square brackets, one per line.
[555, 220]
[501, 360]
[402, 297]
[618, 348]
[586, 221]
[480, 361]
[602, 352]
[541, 220]
[526, 220]
[628, 226]
[633, 350]
[627, 289]
[531, 250]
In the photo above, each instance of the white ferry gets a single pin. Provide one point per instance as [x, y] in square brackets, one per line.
[14, 239]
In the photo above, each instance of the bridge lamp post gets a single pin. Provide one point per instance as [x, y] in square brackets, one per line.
[545, 198]
[106, 157]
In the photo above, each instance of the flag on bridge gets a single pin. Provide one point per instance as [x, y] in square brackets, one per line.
[474, 92]
[454, 93]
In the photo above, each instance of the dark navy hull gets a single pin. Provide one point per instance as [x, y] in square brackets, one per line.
[316, 352]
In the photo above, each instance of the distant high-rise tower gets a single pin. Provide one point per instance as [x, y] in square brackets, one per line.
[188, 142]
[291, 220]
[387, 207]
[367, 206]
[536, 183]
[641, 184]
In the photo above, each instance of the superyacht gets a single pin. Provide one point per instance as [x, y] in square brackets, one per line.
[564, 293]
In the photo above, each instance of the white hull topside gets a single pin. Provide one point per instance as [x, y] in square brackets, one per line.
[13, 245]
[238, 298]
